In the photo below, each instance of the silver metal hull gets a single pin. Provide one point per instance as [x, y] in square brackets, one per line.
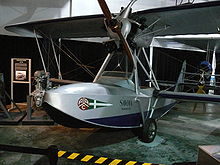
[103, 105]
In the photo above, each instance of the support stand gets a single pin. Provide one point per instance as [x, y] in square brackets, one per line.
[6, 117]
[5, 110]
[36, 116]
[12, 117]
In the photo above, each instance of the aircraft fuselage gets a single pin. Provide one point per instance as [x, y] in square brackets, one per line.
[103, 105]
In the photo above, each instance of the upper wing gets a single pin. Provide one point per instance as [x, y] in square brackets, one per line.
[72, 27]
[200, 18]
[203, 19]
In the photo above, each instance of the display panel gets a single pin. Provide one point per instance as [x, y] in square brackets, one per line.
[21, 70]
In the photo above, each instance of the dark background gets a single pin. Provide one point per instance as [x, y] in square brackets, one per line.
[167, 62]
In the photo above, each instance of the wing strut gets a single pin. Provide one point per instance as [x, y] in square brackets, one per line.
[149, 74]
[150, 65]
[41, 56]
[55, 56]
[104, 65]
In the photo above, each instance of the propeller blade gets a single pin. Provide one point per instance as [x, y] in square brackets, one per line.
[114, 25]
[124, 43]
[105, 9]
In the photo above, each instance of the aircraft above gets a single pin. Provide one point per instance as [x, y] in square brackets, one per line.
[191, 19]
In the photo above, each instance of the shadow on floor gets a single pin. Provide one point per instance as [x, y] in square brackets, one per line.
[107, 136]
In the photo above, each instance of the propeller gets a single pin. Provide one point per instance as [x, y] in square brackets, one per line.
[105, 10]
[115, 26]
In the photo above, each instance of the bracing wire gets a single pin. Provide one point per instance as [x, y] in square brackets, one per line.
[77, 61]
[119, 64]
[74, 58]
[50, 61]
[91, 63]
[181, 61]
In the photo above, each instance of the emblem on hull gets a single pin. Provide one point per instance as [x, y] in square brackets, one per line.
[87, 104]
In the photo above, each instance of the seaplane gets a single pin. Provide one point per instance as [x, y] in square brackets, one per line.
[116, 99]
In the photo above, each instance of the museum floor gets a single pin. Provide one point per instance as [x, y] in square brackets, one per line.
[179, 134]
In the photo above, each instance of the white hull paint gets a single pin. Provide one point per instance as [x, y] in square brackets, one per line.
[105, 105]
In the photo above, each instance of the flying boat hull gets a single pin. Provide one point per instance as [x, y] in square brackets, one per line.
[85, 104]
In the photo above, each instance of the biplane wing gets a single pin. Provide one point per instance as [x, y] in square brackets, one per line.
[200, 42]
[201, 18]
[193, 97]
[71, 27]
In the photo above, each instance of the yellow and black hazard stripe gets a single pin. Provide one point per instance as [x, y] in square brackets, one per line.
[98, 160]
